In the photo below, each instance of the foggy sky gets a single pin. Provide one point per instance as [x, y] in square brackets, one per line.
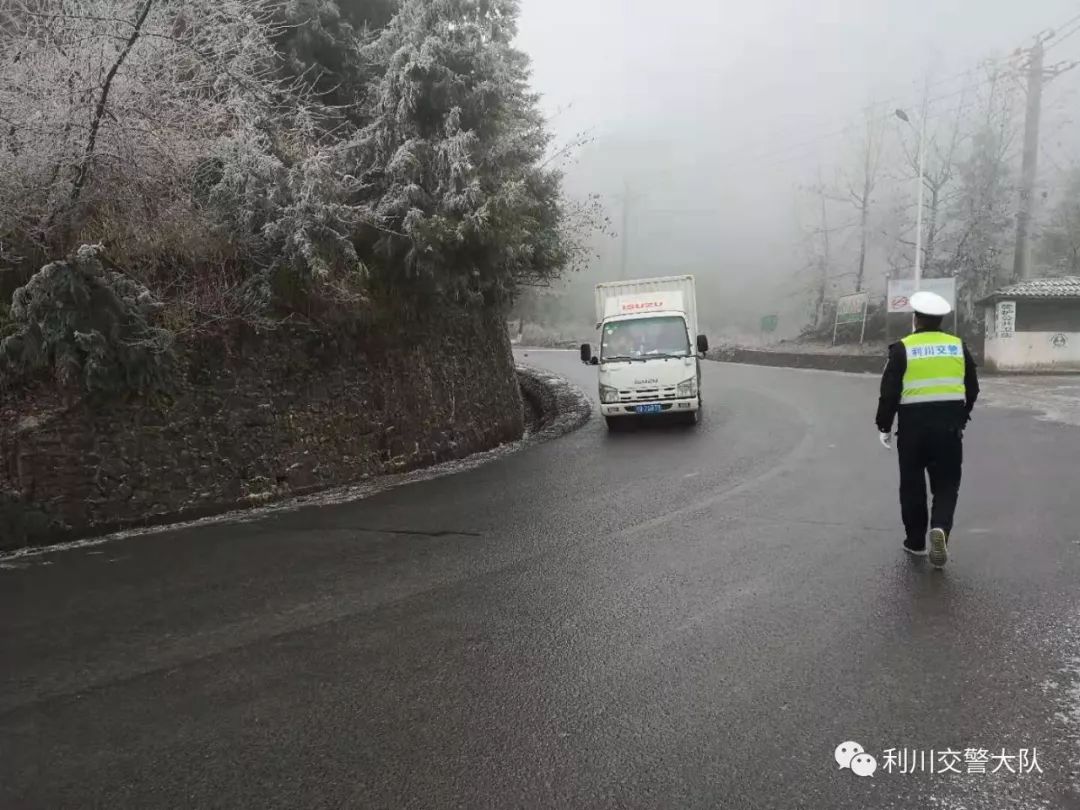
[715, 111]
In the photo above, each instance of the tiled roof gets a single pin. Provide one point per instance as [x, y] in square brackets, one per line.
[1063, 287]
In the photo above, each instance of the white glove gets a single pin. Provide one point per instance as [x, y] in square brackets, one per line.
[885, 439]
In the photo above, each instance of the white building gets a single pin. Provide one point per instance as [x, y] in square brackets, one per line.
[1034, 326]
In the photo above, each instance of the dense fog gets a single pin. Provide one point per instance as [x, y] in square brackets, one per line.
[741, 132]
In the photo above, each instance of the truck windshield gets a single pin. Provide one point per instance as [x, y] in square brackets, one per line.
[642, 338]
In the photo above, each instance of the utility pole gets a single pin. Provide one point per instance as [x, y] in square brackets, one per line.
[1037, 76]
[824, 259]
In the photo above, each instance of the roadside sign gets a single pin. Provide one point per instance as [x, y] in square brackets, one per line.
[769, 323]
[901, 290]
[1006, 319]
[849, 310]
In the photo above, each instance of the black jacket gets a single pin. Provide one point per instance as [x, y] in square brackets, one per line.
[924, 413]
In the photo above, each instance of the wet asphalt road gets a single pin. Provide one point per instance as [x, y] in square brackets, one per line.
[668, 618]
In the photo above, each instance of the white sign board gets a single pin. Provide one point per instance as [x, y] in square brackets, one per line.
[644, 304]
[901, 290]
[1006, 319]
[851, 309]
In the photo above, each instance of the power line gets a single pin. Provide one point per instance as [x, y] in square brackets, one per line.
[755, 155]
[1054, 32]
[993, 65]
[1058, 40]
[858, 124]
[799, 151]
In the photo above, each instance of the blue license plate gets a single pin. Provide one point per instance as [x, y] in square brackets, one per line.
[648, 408]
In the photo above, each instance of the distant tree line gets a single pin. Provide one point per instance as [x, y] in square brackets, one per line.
[859, 223]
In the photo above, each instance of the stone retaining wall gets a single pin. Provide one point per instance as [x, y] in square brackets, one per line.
[258, 416]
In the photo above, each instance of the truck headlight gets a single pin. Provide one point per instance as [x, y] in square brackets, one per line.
[608, 394]
[687, 388]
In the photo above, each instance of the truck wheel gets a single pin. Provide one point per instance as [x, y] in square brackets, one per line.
[694, 417]
[613, 423]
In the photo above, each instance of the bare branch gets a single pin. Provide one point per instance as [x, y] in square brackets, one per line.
[99, 112]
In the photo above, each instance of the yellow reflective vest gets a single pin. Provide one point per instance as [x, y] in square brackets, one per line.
[935, 369]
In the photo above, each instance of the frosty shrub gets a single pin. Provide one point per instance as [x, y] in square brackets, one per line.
[166, 131]
[90, 327]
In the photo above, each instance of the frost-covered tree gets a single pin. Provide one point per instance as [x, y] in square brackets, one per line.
[944, 139]
[236, 155]
[368, 15]
[982, 207]
[112, 101]
[166, 130]
[90, 327]
[450, 170]
[320, 41]
[859, 186]
[1059, 243]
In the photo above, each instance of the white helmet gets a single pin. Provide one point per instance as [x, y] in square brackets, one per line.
[925, 302]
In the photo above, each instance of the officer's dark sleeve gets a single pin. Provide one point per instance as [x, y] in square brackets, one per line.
[971, 380]
[892, 381]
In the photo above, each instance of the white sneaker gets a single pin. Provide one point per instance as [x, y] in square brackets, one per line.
[939, 554]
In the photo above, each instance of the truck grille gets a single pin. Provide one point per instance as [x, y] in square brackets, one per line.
[647, 394]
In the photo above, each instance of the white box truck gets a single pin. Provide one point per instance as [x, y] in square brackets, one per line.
[650, 351]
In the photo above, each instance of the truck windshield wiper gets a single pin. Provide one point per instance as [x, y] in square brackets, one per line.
[665, 355]
[613, 358]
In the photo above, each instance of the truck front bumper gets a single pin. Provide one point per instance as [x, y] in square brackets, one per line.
[666, 406]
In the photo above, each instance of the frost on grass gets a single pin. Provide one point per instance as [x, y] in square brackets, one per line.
[1063, 692]
[1055, 399]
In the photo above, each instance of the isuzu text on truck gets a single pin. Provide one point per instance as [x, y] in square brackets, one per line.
[649, 360]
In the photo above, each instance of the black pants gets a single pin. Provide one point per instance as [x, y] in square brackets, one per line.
[937, 450]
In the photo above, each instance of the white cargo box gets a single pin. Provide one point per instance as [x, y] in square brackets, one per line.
[645, 295]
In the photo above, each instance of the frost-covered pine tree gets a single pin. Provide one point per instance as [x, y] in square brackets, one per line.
[92, 328]
[450, 169]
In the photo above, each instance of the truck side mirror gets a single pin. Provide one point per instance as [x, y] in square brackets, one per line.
[702, 344]
[586, 353]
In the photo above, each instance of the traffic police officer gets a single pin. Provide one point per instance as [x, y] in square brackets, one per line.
[930, 379]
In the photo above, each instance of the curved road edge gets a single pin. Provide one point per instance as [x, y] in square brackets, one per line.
[561, 407]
